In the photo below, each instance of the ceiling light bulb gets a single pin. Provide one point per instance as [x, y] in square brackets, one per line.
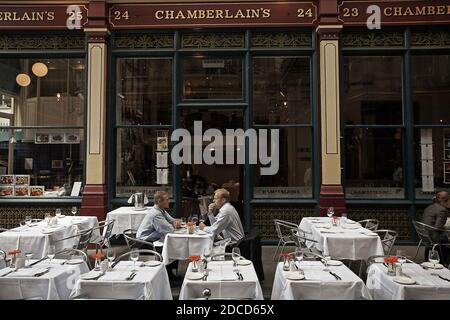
[23, 80]
[39, 69]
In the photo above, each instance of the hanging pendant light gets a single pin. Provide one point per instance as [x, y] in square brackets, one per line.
[23, 80]
[39, 69]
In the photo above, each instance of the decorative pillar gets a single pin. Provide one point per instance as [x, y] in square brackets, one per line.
[95, 197]
[331, 191]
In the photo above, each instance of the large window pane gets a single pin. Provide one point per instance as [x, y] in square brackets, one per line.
[431, 89]
[55, 97]
[137, 168]
[294, 178]
[374, 163]
[144, 91]
[281, 90]
[373, 90]
[212, 78]
[52, 158]
[432, 155]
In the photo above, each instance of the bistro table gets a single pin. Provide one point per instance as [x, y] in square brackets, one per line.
[180, 244]
[427, 286]
[318, 284]
[149, 283]
[56, 284]
[347, 241]
[223, 282]
[36, 238]
[126, 218]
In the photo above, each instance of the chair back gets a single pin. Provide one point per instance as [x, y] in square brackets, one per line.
[283, 228]
[388, 238]
[142, 252]
[225, 256]
[371, 224]
[67, 253]
[426, 233]
[84, 240]
[300, 237]
[133, 242]
[107, 227]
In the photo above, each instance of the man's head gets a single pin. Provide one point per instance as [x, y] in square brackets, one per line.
[161, 199]
[442, 198]
[221, 196]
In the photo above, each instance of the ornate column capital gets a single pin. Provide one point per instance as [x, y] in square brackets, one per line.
[329, 32]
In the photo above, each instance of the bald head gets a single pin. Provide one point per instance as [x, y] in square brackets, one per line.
[442, 198]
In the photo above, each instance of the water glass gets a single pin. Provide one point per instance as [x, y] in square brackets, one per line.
[110, 255]
[236, 254]
[325, 261]
[195, 219]
[433, 257]
[135, 257]
[28, 255]
[74, 211]
[28, 220]
[401, 258]
[183, 221]
[58, 212]
[51, 252]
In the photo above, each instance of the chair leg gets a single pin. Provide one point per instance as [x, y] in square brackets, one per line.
[276, 251]
[417, 251]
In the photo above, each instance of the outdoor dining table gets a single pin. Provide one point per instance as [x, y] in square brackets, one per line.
[126, 218]
[37, 237]
[317, 284]
[347, 241]
[46, 280]
[150, 282]
[417, 284]
[223, 282]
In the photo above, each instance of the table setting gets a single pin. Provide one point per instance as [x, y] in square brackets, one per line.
[342, 238]
[136, 280]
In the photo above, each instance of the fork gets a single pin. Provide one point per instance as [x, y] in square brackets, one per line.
[131, 277]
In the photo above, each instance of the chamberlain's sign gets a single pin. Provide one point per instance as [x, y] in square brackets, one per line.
[397, 12]
[43, 16]
[213, 15]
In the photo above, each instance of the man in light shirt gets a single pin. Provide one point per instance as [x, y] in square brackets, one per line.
[227, 221]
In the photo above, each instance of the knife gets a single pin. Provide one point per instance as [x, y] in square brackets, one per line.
[40, 260]
[131, 277]
[441, 277]
[335, 275]
[42, 273]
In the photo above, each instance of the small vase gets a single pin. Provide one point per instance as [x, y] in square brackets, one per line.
[97, 264]
[194, 266]
[391, 269]
[12, 263]
[286, 264]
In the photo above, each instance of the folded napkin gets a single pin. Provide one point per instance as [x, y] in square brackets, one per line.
[318, 275]
[227, 276]
[128, 264]
[27, 272]
[116, 275]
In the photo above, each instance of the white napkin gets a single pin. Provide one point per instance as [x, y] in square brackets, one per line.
[224, 276]
[116, 275]
[318, 275]
[27, 272]
[127, 264]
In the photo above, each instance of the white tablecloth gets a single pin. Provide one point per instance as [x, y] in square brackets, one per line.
[150, 283]
[57, 284]
[126, 218]
[2, 264]
[179, 246]
[319, 284]
[428, 287]
[32, 239]
[233, 289]
[341, 243]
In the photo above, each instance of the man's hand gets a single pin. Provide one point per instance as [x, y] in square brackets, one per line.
[211, 208]
[201, 226]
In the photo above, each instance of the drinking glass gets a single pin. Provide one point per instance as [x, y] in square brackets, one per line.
[28, 220]
[343, 218]
[135, 257]
[28, 255]
[207, 253]
[433, 257]
[298, 255]
[110, 255]
[58, 212]
[195, 219]
[183, 221]
[74, 211]
[236, 253]
[325, 261]
[51, 252]
[401, 258]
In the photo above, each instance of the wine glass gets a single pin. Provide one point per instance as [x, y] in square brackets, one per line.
[51, 252]
[207, 253]
[236, 254]
[135, 257]
[74, 211]
[28, 255]
[401, 258]
[195, 219]
[343, 218]
[110, 255]
[325, 260]
[28, 220]
[58, 212]
[433, 257]
[298, 255]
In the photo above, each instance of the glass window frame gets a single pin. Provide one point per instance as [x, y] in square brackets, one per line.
[46, 55]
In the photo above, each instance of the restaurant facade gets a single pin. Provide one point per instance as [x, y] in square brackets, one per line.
[359, 90]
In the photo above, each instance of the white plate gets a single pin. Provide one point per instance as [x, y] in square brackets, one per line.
[152, 263]
[194, 275]
[90, 275]
[244, 262]
[404, 280]
[74, 261]
[335, 263]
[295, 276]
[430, 265]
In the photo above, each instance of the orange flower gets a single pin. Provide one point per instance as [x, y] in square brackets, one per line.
[14, 252]
[98, 255]
[285, 255]
[390, 259]
[190, 224]
[194, 258]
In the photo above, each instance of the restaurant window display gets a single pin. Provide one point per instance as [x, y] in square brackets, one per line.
[41, 127]
[431, 93]
[282, 100]
[143, 114]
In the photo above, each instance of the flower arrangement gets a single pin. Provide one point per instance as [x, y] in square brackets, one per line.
[14, 252]
[98, 256]
[390, 259]
[194, 260]
[190, 227]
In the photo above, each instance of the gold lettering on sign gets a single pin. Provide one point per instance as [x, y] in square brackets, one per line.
[27, 16]
[412, 11]
[213, 14]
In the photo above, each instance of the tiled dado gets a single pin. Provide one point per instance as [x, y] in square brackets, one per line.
[396, 219]
[10, 216]
[263, 218]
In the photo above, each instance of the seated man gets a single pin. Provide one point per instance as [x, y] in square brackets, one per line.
[157, 223]
[435, 215]
[226, 221]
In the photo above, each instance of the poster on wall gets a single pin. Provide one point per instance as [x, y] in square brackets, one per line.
[161, 159]
[41, 138]
[162, 176]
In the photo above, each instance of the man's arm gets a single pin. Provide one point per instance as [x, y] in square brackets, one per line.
[162, 225]
[441, 219]
[218, 224]
[168, 217]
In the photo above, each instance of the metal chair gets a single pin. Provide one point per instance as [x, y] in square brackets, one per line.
[134, 243]
[283, 229]
[388, 238]
[68, 253]
[300, 238]
[425, 233]
[371, 224]
[83, 241]
[147, 252]
[2, 255]
[106, 227]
